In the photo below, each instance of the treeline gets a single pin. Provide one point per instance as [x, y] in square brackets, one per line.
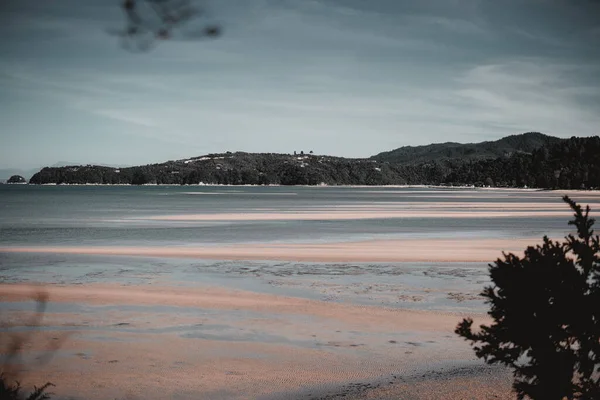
[513, 144]
[568, 164]
[233, 169]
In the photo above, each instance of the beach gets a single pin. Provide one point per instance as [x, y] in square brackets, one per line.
[261, 295]
[410, 250]
[235, 344]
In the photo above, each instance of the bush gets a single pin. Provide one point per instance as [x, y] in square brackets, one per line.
[13, 392]
[546, 316]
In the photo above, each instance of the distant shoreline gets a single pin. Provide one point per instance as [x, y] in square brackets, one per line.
[528, 189]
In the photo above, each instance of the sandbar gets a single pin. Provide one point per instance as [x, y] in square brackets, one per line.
[363, 214]
[409, 250]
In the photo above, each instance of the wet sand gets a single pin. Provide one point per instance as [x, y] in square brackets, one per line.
[410, 250]
[226, 299]
[391, 209]
[283, 345]
[363, 214]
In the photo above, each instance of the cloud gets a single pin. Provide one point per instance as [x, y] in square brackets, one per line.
[348, 77]
[128, 117]
[531, 94]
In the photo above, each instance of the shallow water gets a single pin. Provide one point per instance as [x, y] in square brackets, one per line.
[125, 216]
[254, 328]
[102, 215]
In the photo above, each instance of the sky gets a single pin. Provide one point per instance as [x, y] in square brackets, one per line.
[340, 77]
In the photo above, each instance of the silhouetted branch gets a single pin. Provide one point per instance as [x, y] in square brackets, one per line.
[148, 20]
[11, 365]
[545, 308]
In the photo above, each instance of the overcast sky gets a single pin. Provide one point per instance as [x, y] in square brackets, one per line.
[340, 77]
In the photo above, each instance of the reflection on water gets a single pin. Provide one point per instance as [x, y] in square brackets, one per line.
[107, 216]
[397, 334]
[89, 215]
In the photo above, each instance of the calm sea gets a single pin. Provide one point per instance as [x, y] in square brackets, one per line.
[103, 215]
[122, 216]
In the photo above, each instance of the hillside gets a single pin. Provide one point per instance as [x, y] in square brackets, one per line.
[560, 163]
[233, 169]
[6, 173]
[505, 147]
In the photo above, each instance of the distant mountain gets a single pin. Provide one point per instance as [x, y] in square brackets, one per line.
[531, 159]
[505, 147]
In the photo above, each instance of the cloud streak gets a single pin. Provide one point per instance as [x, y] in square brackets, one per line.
[343, 77]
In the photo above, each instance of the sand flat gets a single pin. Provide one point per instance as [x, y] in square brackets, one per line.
[142, 366]
[409, 250]
[386, 210]
[346, 343]
[227, 299]
[363, 214]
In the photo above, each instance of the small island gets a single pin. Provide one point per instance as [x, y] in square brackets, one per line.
[16, 179]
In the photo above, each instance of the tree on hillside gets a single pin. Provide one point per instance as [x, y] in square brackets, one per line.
[545, 308]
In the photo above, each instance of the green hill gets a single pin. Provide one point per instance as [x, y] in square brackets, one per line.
[531, 159]
[505, 147]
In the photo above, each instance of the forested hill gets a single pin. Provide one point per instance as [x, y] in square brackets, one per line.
[507, 146]
[558, 163]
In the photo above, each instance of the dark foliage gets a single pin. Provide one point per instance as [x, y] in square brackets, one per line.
[569, 164]
[546, 312]
[14, 392]
[233, 169]
[149, 20]
[505, 147]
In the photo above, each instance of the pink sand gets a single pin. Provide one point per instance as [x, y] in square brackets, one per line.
[410, 250]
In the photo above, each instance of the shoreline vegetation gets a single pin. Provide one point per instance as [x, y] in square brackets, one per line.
[209, 185]
[530, 160]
